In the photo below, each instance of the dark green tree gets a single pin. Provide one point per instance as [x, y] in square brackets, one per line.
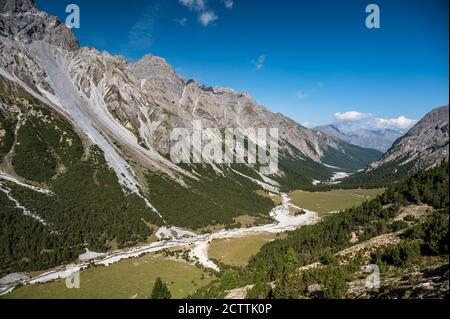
[160, 290]
[334, 283]
[435, 233]
[291, 259]
[260, 290]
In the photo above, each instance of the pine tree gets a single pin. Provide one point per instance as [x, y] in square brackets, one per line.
[160, 290]
[260, 290]
[291, 259]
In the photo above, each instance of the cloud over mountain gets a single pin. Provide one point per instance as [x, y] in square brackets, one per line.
[351, 116]
[355, 119]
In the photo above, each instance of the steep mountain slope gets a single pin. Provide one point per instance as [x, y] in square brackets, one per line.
[58, 196]
[380, 140]
[136, 105]
[424, 146]
[85, 141]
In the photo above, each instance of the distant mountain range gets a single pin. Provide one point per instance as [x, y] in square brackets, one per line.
[381, 139]
[424, 146]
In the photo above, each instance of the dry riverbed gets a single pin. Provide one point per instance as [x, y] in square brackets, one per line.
[198, 245]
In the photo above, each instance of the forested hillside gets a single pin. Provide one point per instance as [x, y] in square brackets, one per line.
[82, 205]
[278, 262]
[216, 199]
[85, 207]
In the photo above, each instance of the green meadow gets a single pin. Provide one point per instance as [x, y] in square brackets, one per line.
[131, 278]
[325, 202]
[237, 251]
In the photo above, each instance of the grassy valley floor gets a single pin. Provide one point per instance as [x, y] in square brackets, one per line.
[335, 200]
[132, 278]
[238, 251]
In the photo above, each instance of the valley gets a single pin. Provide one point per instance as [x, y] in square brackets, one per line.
[89, 185]
[131, 278]
[197, 253]
[334, 200]
[237, 251]
[402, 235]
[197, 246]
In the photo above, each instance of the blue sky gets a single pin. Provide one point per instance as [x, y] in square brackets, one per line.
[313, 61]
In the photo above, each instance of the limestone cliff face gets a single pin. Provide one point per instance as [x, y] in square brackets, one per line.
[425, 145]
[129, 109]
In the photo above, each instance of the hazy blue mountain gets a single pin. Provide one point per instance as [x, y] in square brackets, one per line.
[379, 139]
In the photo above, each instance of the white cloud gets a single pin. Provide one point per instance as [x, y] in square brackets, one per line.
[229, 4]
[195, 5]
[356, 120]
[259, 63]
[207, 17]
[351, 116]
[400, 122]
[306, 124]
[181, 21]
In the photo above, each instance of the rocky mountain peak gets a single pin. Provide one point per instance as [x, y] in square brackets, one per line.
[16, 6]
[437, 118]
[150, 66]
[34, 25]
[137, 104]
[425, 145]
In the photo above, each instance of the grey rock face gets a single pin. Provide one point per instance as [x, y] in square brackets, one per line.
[220, 107]
[21, 23]
[134, 106]
[426, 143]
[21, 20]
[10, 6]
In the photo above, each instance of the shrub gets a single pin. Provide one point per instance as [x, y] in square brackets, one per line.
[400, 255]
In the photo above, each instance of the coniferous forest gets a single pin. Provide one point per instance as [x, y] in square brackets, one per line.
[274, 271]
